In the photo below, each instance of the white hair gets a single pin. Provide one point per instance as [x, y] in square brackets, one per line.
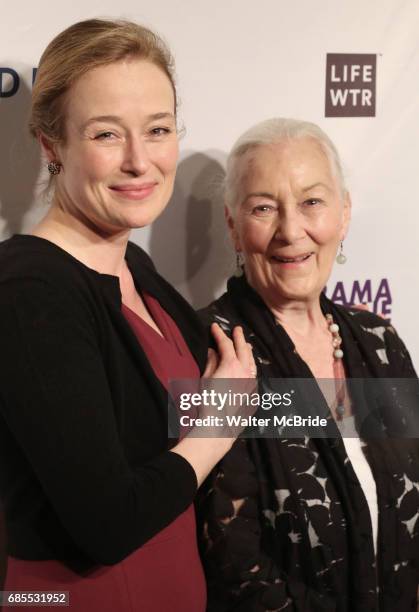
[275, 131]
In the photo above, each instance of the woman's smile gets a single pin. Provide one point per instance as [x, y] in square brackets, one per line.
[291, 262]
[134, 192]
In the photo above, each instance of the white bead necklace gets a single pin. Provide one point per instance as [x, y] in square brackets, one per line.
[336, 339]
[338, 370]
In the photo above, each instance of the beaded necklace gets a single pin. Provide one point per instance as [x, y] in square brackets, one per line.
[338, 371]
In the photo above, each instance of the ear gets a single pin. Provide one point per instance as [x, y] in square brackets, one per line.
[232, 228]
[347, 211]
[49, 149]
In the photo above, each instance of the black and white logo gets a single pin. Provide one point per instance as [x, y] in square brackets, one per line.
[350, 84]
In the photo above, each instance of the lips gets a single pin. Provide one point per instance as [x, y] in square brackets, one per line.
[292, 260]
[133, 187]
[133, 190]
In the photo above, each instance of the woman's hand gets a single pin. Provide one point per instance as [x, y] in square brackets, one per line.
[230, 373]
[234, 359]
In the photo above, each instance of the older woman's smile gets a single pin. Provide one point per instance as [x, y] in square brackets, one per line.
[291, 260]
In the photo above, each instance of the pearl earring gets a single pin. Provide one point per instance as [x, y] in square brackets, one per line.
[341, 257]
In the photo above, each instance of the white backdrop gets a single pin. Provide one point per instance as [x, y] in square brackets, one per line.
[238, 62]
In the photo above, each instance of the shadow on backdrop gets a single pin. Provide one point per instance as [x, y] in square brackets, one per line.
[189, 243]
[20, 161]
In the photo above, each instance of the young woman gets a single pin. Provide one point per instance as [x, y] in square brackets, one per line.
[97, 502]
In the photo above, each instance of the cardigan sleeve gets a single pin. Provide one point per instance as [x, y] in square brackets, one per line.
[241, 575]
[56, 402]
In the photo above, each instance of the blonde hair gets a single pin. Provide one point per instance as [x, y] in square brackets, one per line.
[276, 131]
[80, 48]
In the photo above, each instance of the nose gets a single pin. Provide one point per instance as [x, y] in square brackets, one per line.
[136, 160]
[289, 227]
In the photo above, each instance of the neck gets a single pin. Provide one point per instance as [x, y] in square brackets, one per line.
[101, 251]
[300, 317]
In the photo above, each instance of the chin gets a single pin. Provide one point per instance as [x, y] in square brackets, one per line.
[142, 219]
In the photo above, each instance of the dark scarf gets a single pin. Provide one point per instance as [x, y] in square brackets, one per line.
[360, 356]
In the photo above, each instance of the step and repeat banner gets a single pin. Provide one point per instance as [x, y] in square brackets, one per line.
[350, 66]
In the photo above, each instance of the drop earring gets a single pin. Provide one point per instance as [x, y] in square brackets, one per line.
[239, 264]
[341, 257]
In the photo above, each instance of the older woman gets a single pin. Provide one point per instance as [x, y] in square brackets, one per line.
[306, 524]
[97, 502]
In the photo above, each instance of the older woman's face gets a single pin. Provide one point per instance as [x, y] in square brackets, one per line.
[289, 219]
[121, 148]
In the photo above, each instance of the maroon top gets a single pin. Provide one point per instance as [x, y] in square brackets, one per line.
[163, 574]
[169, 356]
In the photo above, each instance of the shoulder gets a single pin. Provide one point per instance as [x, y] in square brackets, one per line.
[380, 335]
[363, 318]
[38, 276]
[367, 323]
[31, 258]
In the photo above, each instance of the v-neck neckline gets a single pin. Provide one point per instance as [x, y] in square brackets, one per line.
[161, 336]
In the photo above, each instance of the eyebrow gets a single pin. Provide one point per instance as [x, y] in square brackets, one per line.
[319, 184]
[259, 194]
[270, 196]
[117, 119]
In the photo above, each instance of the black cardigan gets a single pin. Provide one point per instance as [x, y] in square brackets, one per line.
[86, 476]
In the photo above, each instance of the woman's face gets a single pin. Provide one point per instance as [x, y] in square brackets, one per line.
[121, 148]
[289, 219]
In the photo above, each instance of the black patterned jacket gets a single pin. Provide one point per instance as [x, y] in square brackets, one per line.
[284, 523]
